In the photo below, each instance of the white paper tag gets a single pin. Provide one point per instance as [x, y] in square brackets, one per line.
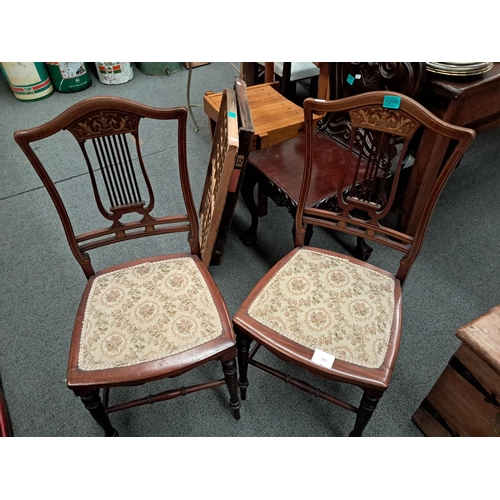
[323, 358]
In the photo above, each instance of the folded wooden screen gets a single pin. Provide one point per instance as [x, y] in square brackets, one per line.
[220, 169]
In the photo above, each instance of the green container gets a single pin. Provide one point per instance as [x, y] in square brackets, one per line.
[28, 81]
[69, 76]
[159, 68]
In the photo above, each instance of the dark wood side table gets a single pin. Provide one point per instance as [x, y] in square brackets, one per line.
[465, 401]
[468, 102]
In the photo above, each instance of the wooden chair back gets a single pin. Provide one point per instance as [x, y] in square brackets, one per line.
[379, 122]
[107, 132]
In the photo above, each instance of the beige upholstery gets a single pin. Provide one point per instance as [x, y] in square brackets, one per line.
[146, 312]
[329, 303]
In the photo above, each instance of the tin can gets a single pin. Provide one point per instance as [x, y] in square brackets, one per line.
[114, 73]
[29, 81]
[69, 76]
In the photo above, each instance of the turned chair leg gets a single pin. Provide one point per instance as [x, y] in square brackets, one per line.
[249, 236]
[94, 405]
[243, 344]
[362, 250]
[230, 374]
[365, 412]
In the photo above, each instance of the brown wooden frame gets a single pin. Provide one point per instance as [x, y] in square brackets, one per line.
[246, 138]
[104, 121]
[367, 113]
[219, 173]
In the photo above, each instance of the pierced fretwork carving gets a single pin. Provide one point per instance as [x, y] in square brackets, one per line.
[404, 77]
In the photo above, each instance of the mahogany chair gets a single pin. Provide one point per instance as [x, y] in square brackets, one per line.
[335, 316]
[278, 171]
[148, 319]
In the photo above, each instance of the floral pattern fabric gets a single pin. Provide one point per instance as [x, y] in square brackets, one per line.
[146, 312]
[329, 303]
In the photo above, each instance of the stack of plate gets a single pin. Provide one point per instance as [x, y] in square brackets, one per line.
[459, 68]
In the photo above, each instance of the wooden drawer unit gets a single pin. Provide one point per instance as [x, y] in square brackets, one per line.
[465, 401]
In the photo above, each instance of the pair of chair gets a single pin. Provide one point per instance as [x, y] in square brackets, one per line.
[159, 317]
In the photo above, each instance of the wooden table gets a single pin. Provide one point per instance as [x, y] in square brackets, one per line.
[469, 102]
[275, 118]
[465, 399]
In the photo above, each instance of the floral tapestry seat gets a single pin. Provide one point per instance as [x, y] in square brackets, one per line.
[326, 301]
[145, 312]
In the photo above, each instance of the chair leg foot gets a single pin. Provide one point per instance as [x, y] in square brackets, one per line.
[93, 403]
[249, 237]
[230, 374]
[365, 412]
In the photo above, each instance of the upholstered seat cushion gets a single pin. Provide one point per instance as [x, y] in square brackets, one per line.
[146, 312]
[330, 303]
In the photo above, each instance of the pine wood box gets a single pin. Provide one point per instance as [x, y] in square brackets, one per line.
[465, 401]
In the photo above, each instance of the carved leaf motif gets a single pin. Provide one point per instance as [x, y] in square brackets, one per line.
[103, 123]
[391, 121]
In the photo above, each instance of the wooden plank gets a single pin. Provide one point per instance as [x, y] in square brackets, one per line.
[483, 336]
[462, 406]
[485, 375]
[428, 424]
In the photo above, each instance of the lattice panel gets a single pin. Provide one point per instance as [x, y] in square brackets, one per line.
[220, 169]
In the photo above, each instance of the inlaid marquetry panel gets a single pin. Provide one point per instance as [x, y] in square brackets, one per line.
[388, 120]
